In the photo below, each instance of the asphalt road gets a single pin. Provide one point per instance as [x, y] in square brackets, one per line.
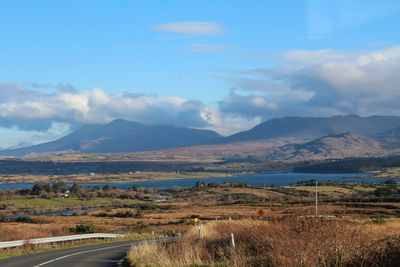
[100, 255]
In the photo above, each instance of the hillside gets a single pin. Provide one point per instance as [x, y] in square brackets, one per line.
[390, 139]
[286, 150]
[119, 136]
[328, 147]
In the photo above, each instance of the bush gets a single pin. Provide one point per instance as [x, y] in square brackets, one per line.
[390, 182]
[24, 219]
[101, 214]
[85, 229]
[385, 191]
[138, 213]
[379, 220]
[126, 214]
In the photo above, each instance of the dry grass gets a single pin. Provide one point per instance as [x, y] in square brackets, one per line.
[109, 178]
[18, 231]
[290, 241]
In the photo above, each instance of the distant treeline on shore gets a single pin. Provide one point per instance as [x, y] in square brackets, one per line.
[359, 165]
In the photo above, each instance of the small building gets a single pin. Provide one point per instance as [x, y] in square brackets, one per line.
[159, 199]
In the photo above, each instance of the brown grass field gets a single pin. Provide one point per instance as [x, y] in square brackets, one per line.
[286, 235]
[288, 241]
[110, 178]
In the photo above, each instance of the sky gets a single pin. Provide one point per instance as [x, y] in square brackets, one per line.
[218, 65]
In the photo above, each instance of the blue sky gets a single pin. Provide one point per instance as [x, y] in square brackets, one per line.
[221, 65]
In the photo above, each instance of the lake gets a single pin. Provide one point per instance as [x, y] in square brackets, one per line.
[278, 178]
[57, 213]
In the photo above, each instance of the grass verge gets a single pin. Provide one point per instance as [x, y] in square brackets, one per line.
[290, 241]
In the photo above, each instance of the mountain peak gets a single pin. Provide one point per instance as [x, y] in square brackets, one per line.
[119, 136]
[123, 122]
[118, 121]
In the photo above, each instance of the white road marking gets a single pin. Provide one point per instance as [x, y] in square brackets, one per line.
[77, 253]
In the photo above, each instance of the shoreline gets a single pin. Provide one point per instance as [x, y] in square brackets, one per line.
[101, 180]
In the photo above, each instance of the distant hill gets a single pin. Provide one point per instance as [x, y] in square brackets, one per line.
[357, 165]
[335, 146]
[390, 139]
[119, 136]
[312, 128]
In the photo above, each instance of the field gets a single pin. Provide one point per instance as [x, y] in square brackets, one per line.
[110, 178]
[372, 208]
[287, 241]
[389, 173]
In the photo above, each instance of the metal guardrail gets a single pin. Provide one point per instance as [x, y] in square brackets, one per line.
[12, 244]
[56, 239]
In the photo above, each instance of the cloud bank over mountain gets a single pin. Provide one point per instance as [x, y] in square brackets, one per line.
[34, 110]
[303, 83]
[318, 83]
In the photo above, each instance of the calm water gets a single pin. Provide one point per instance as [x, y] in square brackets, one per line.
[58, 213]
[279, 178]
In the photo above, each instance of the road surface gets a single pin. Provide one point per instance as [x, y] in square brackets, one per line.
[102, 255]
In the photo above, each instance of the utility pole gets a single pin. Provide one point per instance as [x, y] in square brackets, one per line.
[316, 198]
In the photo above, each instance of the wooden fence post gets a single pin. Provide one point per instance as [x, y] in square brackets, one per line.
[232, 241]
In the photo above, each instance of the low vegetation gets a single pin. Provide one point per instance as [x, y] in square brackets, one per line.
[290, 241]
[85, 229]
[359, 212]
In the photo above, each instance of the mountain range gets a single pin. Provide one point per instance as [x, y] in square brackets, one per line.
[119, 136]
[287, 138]
[312, 128]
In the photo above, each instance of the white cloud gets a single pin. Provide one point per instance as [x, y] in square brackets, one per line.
[260, 102]
[191, 28]
[29, 109]
[319, 83]
[227, 123]
[206, 48]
